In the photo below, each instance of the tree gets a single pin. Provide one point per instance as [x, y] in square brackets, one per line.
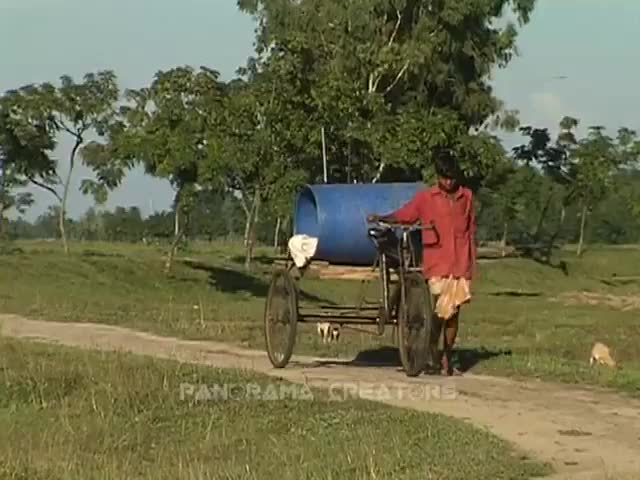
[594, 162]
[391, 81]
[24, 158]
[506, 191]
[46, 225]
[216, 213]
[584, 169]
[631, 195]
[613, 221]
[76, 109]
[263, 146]
[171, 127]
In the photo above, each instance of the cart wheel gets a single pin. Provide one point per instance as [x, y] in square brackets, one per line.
[415, 321]
[281, 318]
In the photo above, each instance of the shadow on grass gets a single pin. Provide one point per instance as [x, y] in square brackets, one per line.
[264, 260]
[464, 358]
[228, 280]
[514, 293]
[95, 253]
[620, 282]
[541, 254]
[11, 250]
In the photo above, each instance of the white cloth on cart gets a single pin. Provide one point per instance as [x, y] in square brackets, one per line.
[302, 248]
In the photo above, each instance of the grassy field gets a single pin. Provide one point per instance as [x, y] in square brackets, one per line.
[69, 414]
[526, 319]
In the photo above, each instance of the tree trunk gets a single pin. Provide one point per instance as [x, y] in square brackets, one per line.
[276, 235]
[2, 188]
[247, 228]
[172, 252]
[63, 233]
[65, 195]
[285, 229]
[503, 242]
[556, 234]
[583, 222]
[378, 175]
[248, 215]
[543, 215]
[178, 234]
[251, 237]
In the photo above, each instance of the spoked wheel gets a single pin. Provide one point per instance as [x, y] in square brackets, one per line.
[415, 324]
[281, 318]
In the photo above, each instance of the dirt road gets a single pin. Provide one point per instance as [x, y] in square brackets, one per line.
[585, 434]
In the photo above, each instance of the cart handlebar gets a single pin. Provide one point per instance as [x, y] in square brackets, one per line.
[403, 226]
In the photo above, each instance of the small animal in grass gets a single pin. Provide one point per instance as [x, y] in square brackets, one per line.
[601, 354]
[328, 332]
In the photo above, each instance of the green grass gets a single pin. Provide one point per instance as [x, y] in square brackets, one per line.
[516, 307]
[72, 414]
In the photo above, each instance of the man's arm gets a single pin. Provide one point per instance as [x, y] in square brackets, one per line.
[409, 213]
[472, 233]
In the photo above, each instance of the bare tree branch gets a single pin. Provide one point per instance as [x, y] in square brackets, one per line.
[45, 187]
[376, 179]
[397, 27]
[398, 77]
[61, 124]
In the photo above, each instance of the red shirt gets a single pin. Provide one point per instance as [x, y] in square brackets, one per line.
[452, 251]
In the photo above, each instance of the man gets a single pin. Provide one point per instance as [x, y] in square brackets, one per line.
[449, 253]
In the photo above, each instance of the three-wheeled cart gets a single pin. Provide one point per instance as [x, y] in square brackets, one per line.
[405, 304]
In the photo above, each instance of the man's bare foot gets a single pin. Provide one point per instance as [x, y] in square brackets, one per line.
[448, 370]
[445, 365]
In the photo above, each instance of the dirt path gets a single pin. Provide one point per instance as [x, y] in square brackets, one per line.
[585, 434]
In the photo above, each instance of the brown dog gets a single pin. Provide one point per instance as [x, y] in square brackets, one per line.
[600, 354]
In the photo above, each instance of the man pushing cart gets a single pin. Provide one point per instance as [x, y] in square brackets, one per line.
[331, 226]
[449, 249]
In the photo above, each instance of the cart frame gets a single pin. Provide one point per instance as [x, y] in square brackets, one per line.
[407, 305]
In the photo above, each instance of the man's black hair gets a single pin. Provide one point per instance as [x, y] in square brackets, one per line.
[446, 165]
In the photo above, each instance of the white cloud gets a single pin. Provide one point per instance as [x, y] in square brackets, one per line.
[548, 108]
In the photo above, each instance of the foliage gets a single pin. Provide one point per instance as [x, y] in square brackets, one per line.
[42, 112]
[170, 127]
[585, 168]
[263, 141]
[167, 125]
[393, 82]
[24, 153]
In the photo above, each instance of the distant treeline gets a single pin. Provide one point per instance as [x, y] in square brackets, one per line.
[538, 216]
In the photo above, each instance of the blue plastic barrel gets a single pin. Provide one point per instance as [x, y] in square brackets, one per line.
[336, 214]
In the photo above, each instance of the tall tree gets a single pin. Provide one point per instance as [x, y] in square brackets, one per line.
[506, 190]
[171, 127]
[264, 146]
[392, 81]
[593, 164]
[584, 168]
[549, 156]
[77, 110]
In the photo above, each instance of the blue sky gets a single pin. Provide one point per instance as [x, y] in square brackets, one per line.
[592, 42]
